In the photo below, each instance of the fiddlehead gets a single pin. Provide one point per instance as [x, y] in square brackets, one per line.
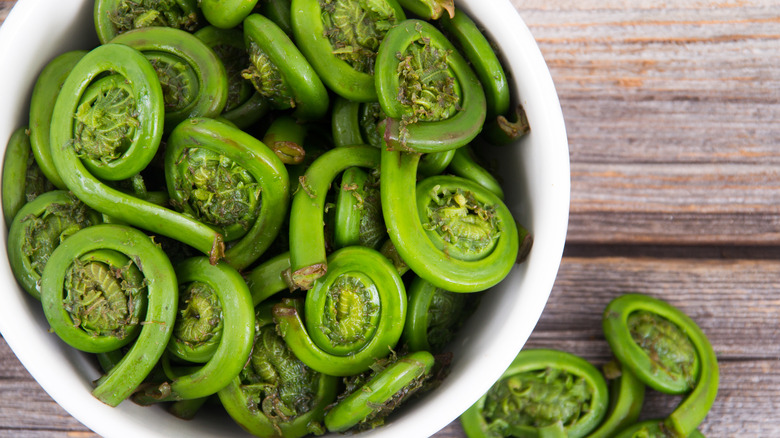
[285, 137]
[472, 241]
[38, 228]
[243, 107]
[193, 79]
[307, 237]
[341, 38]
[23, 180]
[280, 72]
[68, 286]
[354, 314]
[276, 394]
[626, 395]
[666, 350]
[205, 179]
[390, 384]
[114, 17]
[235, 337]
[433, 100]
[226, 14]
[548, 390]
[433, 316]
[358, 214]
[89, 188]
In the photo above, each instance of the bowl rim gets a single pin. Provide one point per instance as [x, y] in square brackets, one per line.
[71, 386]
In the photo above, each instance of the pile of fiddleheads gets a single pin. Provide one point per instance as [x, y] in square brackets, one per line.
[276, 205]
[557, 394]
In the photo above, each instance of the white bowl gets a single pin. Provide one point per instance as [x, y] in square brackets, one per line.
[536, 177]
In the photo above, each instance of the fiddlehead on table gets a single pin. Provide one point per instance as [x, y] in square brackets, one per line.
[205, 179]
[542, 392]
[193, 79]
[276, 394]
[114, 17]
[354, 314]
[235, 338]
[471, 241]
[667, 351]
[89, 289]
[390, 383]
[341, 38]
[433, 100]
[85, 178]
[38, 228]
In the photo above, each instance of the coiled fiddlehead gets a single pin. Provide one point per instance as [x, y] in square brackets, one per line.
[193, 79]
[354, 314]
[23, 180]
[433, 100]
[114, 17]
[433, 316]
[307, 236]
[141, 81]
[341, 38]
[280, 72]
[235, 338]
[100, 301]
[387, 388]
[471, 240]
[542, 391]
[666, 350]
[276, 394]
[38, 228]
[198, 147]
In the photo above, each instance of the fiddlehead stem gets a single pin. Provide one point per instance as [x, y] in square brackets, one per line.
[226, 14]
[276, 394]
[626, 395]
[263, 175]
[47, 88]
[159, 281]
[279, 12]
[193, 79]
[114, 17]
[433, 100]
[668, 352]
[307, 236]
[280, 72]
[472, 240]
[235, 339]
[38, 228]
[23, 180]
[269, 278]
[541, 389]
[341, 38]
[368, 405]
[354, 314]
[430, 9]
[464, 164]
[137, 71]
[433, 316]
[358, 216]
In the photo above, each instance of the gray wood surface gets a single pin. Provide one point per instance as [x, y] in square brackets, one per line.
[673, 117]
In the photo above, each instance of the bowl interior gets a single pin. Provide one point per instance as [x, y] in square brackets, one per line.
[535, 173]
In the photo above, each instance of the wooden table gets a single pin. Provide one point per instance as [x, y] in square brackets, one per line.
[673, 118]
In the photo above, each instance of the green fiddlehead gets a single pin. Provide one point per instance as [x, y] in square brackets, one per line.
[626, 395]
[205, 179]
[358, 214]
[354, 314]
[667, 351]
[38, 228]
[340, 38]
[433, 100]
[433, 316]
[193, 79]
[279, 12]
[198, 328]
[280, 72]
[386, 389]
[542, 389]
[47, 88]
[23, 180]
[235, 338]
[114, 17]
[472, 241]
[285, 137]
[307, 237]
[276, 394]
[243, 107]
[142, 82]
[226, 14]
[269, 278]
[99, 301]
